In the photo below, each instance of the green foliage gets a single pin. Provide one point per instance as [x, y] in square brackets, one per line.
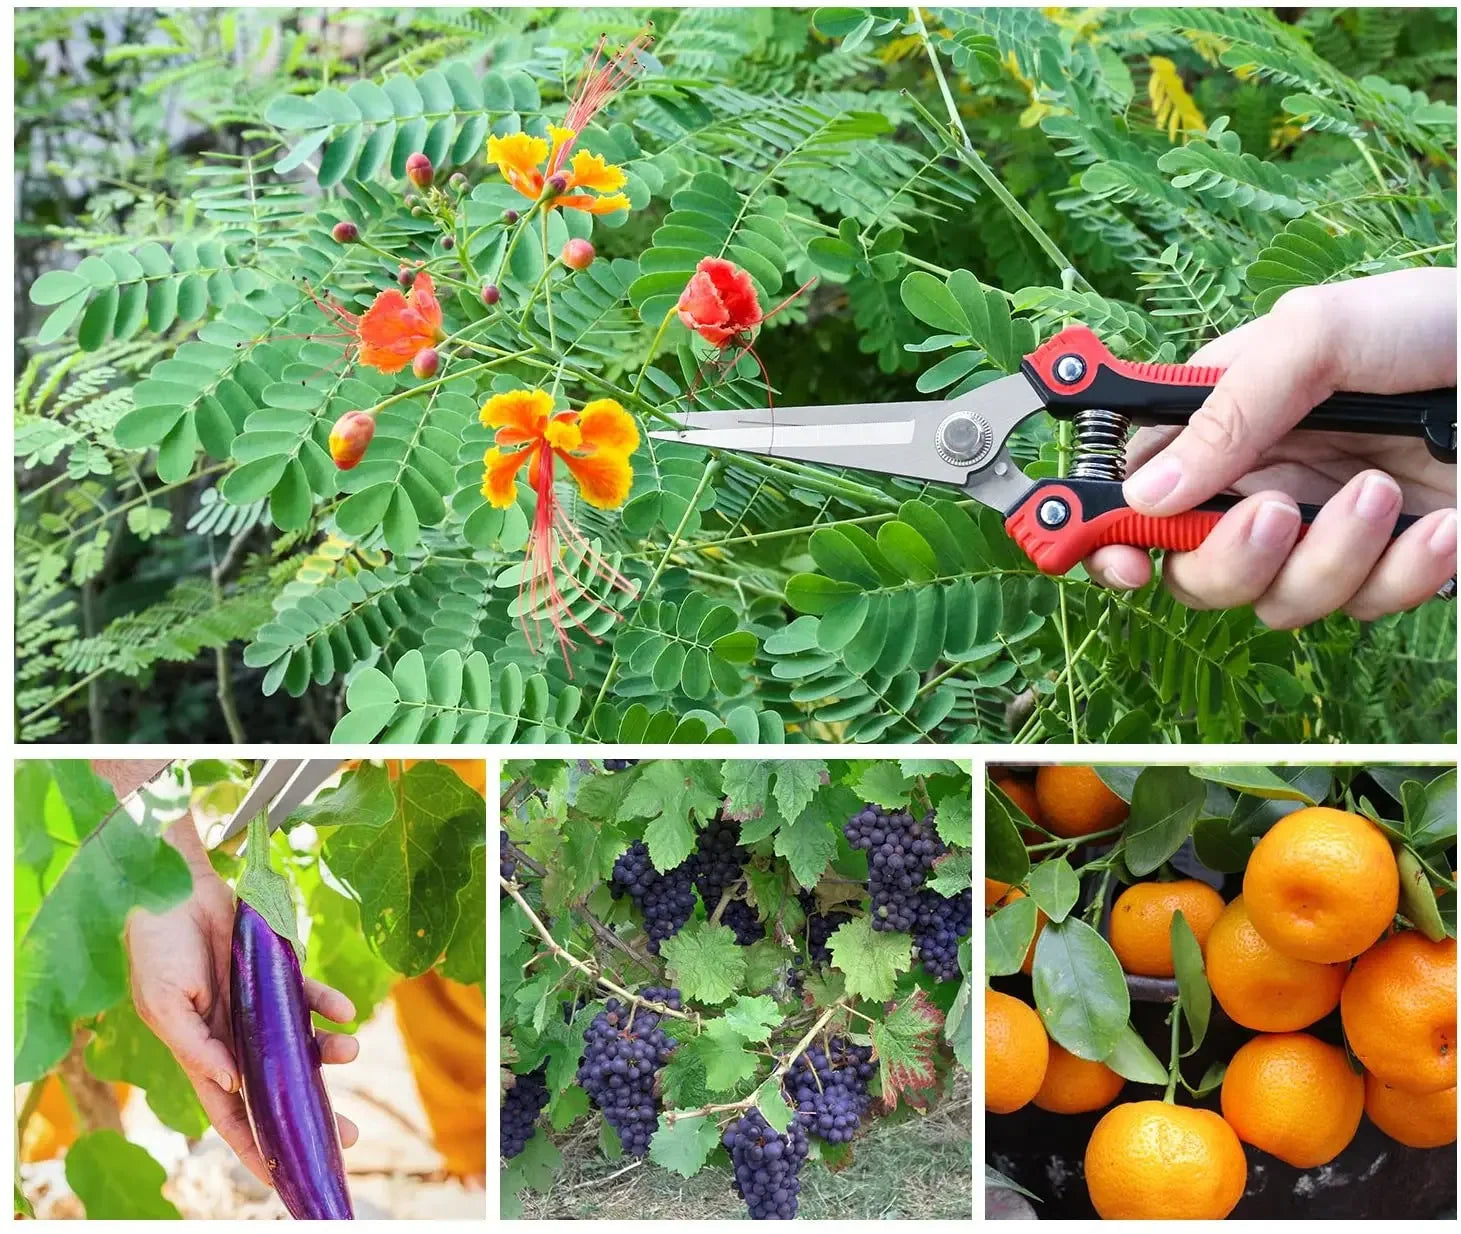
[182, 530]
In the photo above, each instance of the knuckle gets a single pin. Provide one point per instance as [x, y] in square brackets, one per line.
[1220, 424]
[1278, 614]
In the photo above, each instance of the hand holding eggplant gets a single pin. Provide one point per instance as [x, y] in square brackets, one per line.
[180, 986]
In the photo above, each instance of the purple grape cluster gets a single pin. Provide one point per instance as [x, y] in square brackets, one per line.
[829, 1089]
[820, 928]
[509, 866]
[620, 764]
[520, 1109]
[900, 852]
[623, 1051]
[716, 863]
[941, 923]
[666, 899]
[766, 1165]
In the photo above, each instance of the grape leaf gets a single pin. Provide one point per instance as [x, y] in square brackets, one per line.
[704, 963]
[670, 791]
[748, 782]
[885, 784]
[727, 1061]
[684, 1144]
[870, 961]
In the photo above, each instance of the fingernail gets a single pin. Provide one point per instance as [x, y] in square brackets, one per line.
[1153, 481]
[1443, 539]
[1378, 499]
[1120, 579]
[1273, 526]
[224, 1081]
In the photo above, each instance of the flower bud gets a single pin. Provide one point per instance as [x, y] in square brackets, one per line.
[426, 363]
[411, 199]
[558, 183]
[349, 438]
[418, 170]
[345, 232]
[577, 254]
[448, 243]
[405, 276]
[510, 216]
[459, 183]
[419, 212]
[490, 295]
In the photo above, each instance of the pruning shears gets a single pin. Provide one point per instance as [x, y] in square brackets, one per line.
[281, 787]
[964, 442]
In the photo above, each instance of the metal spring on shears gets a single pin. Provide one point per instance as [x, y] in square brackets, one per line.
[1100, 445]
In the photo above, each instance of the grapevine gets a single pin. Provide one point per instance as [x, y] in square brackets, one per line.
[843, 1022]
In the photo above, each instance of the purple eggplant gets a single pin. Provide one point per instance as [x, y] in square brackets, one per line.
[279, 1059]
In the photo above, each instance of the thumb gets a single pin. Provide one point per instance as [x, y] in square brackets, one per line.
[1276, 379]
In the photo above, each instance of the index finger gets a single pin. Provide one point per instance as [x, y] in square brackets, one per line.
[1277, 376]
[328, 1001]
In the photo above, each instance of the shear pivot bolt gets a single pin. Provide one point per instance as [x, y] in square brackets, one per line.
[962, 439]
[1070, 369]
[1052, 513]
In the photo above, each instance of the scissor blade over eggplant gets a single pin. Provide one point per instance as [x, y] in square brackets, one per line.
[279, 1059]
[946, 442]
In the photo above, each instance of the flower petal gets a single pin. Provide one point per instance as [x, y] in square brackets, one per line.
[524, 411]
[499, 481]
[736, 290]
[422, 298]
[521, 153]
[608, 428]
[590, 171]
[593, 205]
[603, 477]
[391, 332]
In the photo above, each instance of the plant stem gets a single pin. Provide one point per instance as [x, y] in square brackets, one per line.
[977, 164]
[705, 478]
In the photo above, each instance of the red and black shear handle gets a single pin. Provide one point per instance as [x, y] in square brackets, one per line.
[1059, 522]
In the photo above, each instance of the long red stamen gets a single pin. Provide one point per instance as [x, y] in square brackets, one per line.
[599, 83]
[550, 526]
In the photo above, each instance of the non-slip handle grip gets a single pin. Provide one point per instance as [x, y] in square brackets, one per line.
[1061, 522]
[1075, 371]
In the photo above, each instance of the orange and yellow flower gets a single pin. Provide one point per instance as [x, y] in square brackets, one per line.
[526, 163]
[588, 182]
[594, 445]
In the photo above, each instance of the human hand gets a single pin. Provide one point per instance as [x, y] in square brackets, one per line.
[180, 985]
[1383, 335]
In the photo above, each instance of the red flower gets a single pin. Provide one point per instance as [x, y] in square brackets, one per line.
[393, 330]
[719, 302]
